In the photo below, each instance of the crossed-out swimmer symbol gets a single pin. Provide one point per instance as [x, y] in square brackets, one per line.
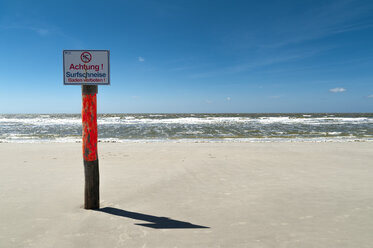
[86, 57]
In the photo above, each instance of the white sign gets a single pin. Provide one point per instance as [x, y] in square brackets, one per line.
[88, 67]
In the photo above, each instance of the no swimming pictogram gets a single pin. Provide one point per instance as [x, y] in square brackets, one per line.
[86, 57]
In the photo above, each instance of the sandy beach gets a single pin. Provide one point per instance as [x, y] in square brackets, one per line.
[189, 195]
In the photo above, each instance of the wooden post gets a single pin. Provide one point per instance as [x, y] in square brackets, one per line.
[91, 171]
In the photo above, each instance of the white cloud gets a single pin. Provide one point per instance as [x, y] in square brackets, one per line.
[337, 90]
[38, 30]
[41, 31]
[141, 59]
[208, 101]
[228, 98]
[371, 96]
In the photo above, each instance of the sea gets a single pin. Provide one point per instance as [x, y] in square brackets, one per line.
[301, 127]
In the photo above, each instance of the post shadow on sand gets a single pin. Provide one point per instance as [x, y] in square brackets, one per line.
[157, 222]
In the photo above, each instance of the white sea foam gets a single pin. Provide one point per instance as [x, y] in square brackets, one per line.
[315, 121]
[334, 133]
[41, 121]
[185, 140]
[131, 120]
[193, 128]
[261, 120]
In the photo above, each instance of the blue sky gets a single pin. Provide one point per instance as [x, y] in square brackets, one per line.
[191, 56]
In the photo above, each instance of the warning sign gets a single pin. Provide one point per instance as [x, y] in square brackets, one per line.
[88, 67]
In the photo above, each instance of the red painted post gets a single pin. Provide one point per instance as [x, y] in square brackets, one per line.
[91, 171]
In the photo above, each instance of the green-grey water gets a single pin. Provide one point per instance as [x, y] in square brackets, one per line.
[190, 127]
